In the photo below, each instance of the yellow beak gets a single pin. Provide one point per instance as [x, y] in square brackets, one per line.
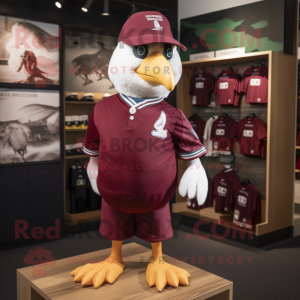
[156, 70]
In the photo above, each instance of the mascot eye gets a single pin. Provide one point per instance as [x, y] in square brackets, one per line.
[140, 51]
[168, 52]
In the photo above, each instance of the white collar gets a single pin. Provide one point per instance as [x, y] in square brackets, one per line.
[147, 102]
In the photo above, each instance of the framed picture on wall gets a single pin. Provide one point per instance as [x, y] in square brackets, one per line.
[29, 126]
[29, 52]
[87, 56]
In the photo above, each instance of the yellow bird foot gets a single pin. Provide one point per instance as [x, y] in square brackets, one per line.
[160, 273]
[96, 274]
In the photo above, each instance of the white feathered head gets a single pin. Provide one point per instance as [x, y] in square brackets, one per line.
[146, 62]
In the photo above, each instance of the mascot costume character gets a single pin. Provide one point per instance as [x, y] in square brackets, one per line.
[134, 138]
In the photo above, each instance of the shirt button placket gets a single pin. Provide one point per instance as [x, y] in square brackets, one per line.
[132, 116]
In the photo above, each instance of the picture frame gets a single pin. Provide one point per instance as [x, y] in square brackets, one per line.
[30, 126]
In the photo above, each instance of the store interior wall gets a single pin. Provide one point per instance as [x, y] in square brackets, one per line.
[191, 8]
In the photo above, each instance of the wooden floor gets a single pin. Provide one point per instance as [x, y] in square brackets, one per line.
[57, 283]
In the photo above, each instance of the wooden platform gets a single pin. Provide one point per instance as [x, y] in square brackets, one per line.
[58, 284]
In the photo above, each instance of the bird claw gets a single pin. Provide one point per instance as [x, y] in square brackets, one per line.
[160, 274]
[98, 273]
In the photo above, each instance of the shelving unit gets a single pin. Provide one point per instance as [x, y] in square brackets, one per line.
[272, 176]
[77, 129]
[80, 102]
[207, 213]
[210, 214]
[78, 156]
[73, 136]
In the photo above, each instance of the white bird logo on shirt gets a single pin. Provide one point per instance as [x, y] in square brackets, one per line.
[159, 125]
[157, 26]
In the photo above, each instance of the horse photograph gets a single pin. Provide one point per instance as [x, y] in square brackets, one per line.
[87, 57]
[29, 126]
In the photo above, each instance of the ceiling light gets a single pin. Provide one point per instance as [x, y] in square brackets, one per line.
[87, 5]
[60, 3]
[105, 8]
[133, 9]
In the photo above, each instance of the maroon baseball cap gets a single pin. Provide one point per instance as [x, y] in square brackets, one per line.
[147, 27]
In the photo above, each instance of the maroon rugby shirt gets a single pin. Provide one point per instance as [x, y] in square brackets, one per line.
[137, 143]
[251, 133]
[201, 86]
[255, 84]
[227, 88]
[222, 134]
[223, 183]
[246, 201]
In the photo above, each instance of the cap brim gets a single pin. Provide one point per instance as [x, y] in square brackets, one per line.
[150, 39]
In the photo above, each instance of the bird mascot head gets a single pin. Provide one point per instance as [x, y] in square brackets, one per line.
[146, 62]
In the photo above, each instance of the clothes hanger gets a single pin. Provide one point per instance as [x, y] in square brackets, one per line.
[227, 167]
[224, 115]
[260, 64]
[224, 73]
[251, 116]
[246, 181]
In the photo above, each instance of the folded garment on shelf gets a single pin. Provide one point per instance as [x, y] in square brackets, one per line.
[84, 120]
[106, 95]
[73, 149]
[68, 122]
[72, 97]
[76, 122]
[88, 97]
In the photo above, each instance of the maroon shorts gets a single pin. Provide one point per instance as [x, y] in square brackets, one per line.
[152, 227]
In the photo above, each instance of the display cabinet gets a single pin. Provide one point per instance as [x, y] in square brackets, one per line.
[73, 136]
[273, 175]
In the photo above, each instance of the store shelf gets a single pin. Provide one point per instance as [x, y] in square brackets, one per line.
[296, 219]
[215, 217]
[297, 147]
[79, 129]
[80, 102]
[296, 224]
[78, 156]
[85, 217]
[297, 171]
[206, 213]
